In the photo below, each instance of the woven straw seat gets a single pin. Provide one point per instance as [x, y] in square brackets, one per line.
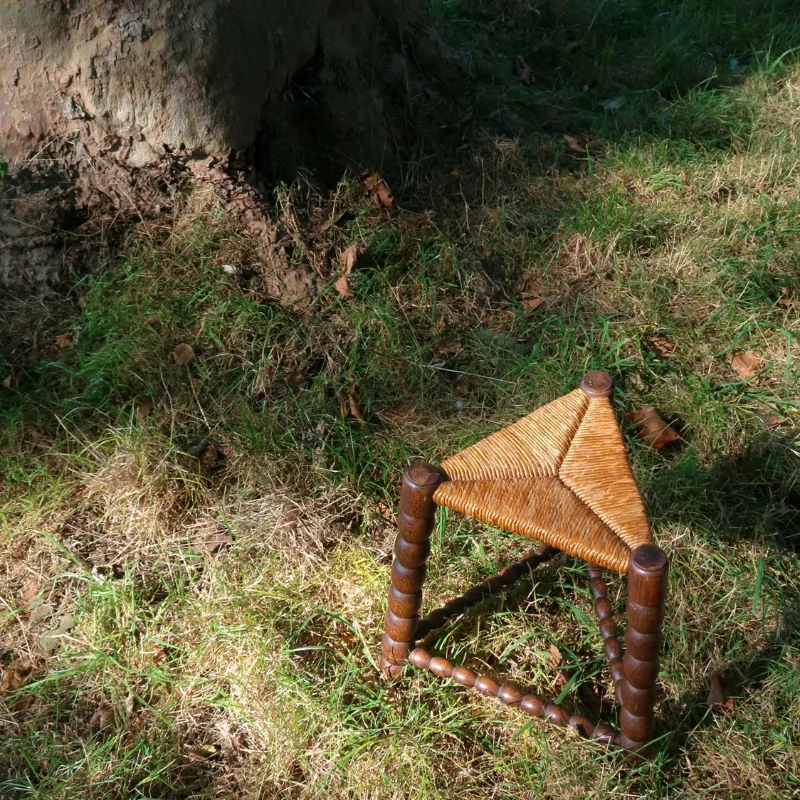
[560, 476]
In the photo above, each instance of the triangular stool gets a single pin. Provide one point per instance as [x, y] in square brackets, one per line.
[559, 476]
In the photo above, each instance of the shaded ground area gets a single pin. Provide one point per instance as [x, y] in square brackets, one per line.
[199, 468]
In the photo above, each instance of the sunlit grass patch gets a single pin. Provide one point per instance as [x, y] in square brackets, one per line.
[228, 602]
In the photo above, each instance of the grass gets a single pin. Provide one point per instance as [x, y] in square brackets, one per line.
[227, 609]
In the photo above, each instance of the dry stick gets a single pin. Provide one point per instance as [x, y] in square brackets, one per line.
[504, 578]
[608, 628]
[509, 694]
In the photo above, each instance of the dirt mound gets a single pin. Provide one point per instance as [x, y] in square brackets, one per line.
[131, 102]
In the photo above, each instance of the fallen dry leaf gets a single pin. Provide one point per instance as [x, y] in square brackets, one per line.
[449, 346]
[14, 677]
[29, 590]
[662, 346]
[213, 543]
[103, 717]
[334, 217]
[523, 71]
[296, 379]
[64, 341]
[555, 662]
[531, 303]
[787, 301]
[386, 512]
[352, 402]
[210, 537]
[343, 287]
[7, 381]
[211, 457]
[143, 410]
[769, 419]
[182, 354]
[718, 693]
[349, 259]
[651, 427]
[745, 364]
[377, 189]
[573, 145]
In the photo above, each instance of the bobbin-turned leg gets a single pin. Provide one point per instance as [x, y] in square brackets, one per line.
[608, 630]
[411, 548]
[647, 591]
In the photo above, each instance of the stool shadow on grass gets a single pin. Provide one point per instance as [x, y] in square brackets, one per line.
[753, 495]
[551, 582]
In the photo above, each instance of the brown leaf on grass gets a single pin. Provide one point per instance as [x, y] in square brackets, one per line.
[386, 512]
[449, 346]
[182, 354]
[377, 189]
[103, 717]
[531, 303]
[64, 341]
[14, 677]
[7, 381]
[662, 346]
[321, 429]
[768, 418]
[523, 71]
[352, 402]
[349, 259]
[211, 457]
[296, 379]
[745, 364]
[143, 410]
[211, 538]
[719, 694]
[343, 287]
[333, 216]
[787, 301]
[29, 591]
[573, 145]
[653, 430]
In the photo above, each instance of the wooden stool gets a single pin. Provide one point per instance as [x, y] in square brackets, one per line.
[559, 476]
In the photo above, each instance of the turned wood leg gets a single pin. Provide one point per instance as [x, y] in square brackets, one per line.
[411, 548]
[647, 590]
[608, 630]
